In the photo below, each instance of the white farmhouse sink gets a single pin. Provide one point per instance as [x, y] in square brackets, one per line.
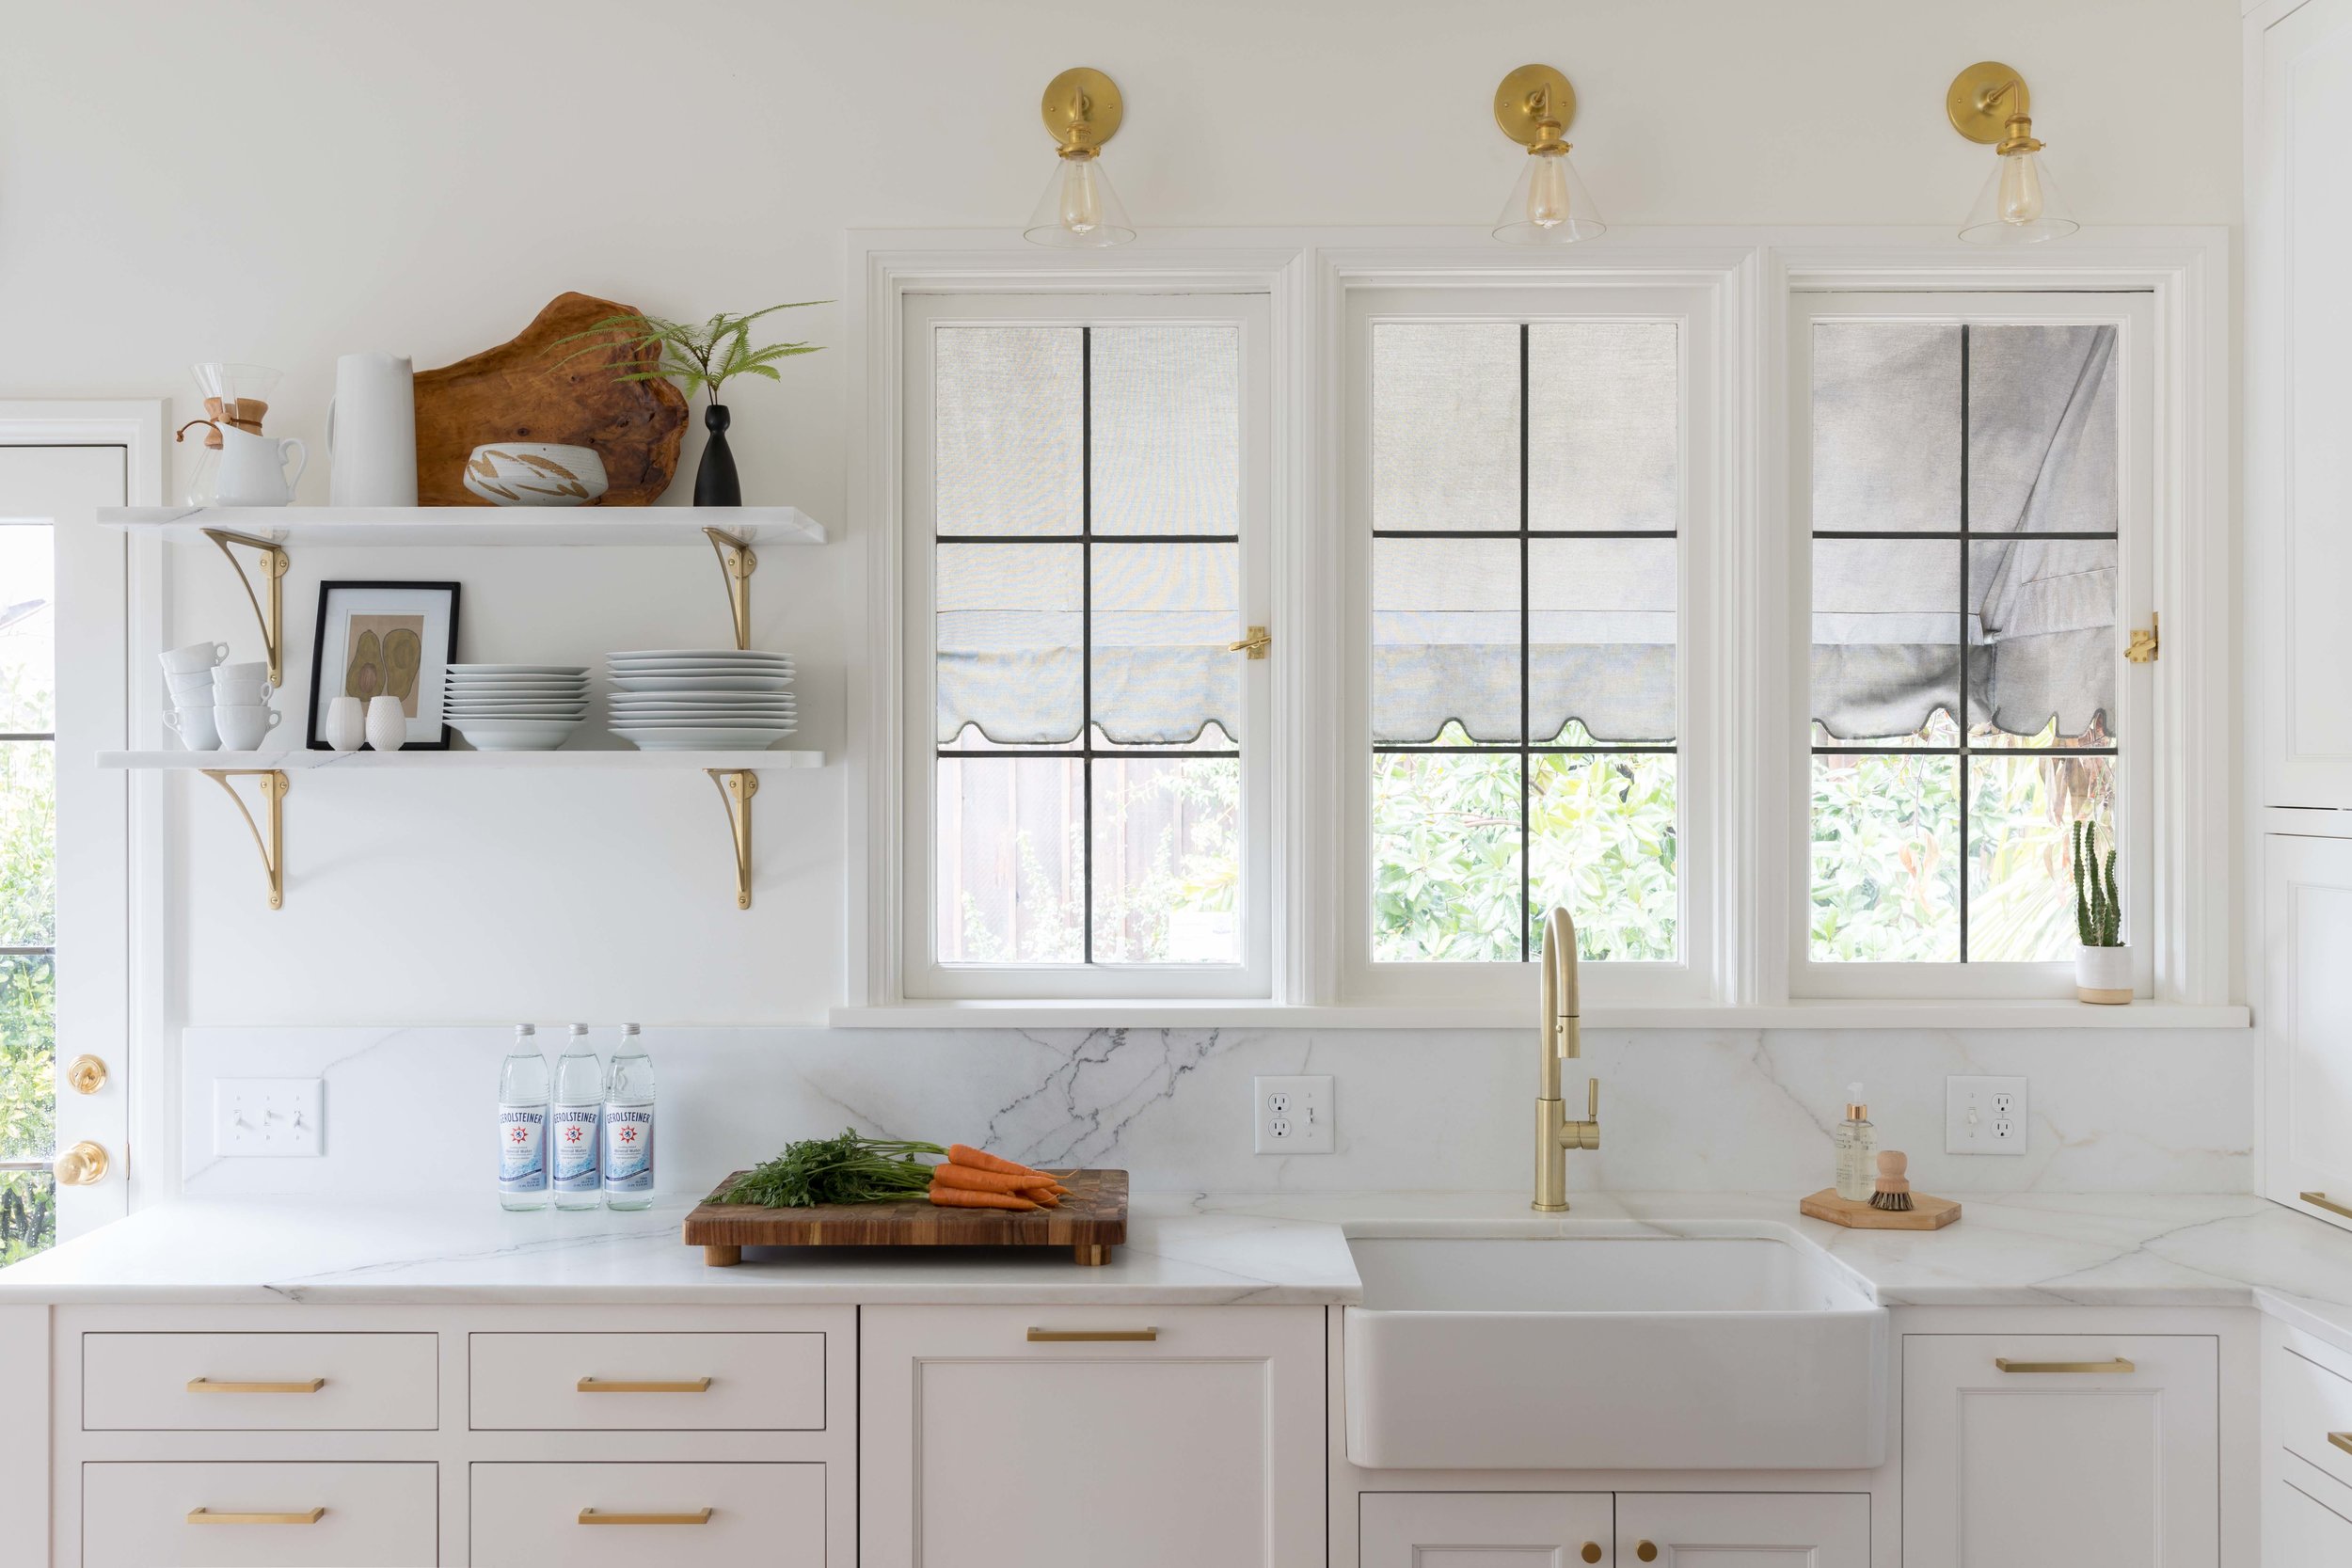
[1611, 1353]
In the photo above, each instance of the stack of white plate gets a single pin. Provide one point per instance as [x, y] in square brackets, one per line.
[517, 707]
[702, 699]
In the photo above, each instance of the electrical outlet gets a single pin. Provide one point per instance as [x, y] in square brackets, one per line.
[271, 1117]
[1293, 1114]
[1984, 1115]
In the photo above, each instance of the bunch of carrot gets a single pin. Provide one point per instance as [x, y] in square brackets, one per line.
[975, 1179]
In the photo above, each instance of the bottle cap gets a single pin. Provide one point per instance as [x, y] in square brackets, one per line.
[523, 1031]
[1855, 1109]
[579, 1029]
[629, 1031]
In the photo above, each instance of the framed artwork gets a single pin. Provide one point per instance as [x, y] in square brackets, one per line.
[375, 639]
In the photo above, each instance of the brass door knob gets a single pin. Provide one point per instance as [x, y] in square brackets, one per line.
[87, 1074]
[1646, 1551]
[1590, 1552]
[83, 1166]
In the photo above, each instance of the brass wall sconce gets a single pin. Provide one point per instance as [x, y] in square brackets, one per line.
[1079, 209]
[1535, 107]
[1988, 105]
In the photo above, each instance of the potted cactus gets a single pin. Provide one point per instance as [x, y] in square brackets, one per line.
[2103, 965]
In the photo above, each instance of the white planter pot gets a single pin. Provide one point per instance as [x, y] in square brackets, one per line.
[2102, 974]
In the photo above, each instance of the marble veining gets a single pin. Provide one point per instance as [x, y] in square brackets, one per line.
[1700, 1111]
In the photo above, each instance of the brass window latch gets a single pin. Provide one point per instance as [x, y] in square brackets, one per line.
[1255, 645]
[2142, 647]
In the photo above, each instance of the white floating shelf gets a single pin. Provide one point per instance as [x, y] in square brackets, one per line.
[308, 761]
[449, 527]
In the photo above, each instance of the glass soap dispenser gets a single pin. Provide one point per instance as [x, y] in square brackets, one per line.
[1857, 1150]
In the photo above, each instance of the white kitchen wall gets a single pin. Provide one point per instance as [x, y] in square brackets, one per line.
[285, 182]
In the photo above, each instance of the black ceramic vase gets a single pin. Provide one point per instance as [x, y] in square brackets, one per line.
[715, 483]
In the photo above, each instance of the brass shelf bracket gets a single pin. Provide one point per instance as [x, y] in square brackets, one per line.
[736, 560]
[736, 785]
[273, 844]
[274, 563]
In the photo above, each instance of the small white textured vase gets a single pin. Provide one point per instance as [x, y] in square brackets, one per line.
[2102, 974]
[388, 726]
[346, 723]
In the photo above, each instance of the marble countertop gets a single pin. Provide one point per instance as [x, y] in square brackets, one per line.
[2013, 1250]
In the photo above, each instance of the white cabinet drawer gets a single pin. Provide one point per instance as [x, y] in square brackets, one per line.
[259, 1382]
[649, 1381]
[291, 1515]
[677, 1515]
[2312, 1406]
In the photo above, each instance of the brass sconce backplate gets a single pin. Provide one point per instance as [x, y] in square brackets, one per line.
[1082, 107]
[1981, 99]
[1521, 101]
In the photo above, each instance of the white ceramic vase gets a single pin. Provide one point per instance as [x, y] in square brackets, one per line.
[346, 726]
[2102, 974]
[388, 726]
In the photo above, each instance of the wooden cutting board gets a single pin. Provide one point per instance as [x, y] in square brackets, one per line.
[1925, 1213]
[527, 389]
[1093, 1219]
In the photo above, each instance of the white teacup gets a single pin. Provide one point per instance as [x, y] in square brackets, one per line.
[253, 670]
[195, 728]
[196, 655]
[195, 696]
[243, 726]
[254, 693]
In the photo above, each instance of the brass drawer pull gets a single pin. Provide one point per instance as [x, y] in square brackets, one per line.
[1092, 1336]
[622, 1385]
[2342, 1440]
[2320, 1200]
[305, 1386]
[1590, 1552]
[206, 1516]
[2117, 1365]
[1646, 1551]
[589, 1516]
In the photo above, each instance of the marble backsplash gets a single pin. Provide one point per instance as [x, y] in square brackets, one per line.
[1691, 1110]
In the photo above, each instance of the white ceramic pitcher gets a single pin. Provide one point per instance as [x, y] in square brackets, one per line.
[371, 432]
[253, 468]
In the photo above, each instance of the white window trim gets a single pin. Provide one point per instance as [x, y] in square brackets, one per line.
[1250, 978]
[2132, 314]
[1308, 275]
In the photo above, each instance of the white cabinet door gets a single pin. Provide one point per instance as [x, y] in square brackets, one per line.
[2306, 1020]
[2302, 1528]
[1482, 1530]
[2298, 401]
[2060, 1450]
[1743, 1530]
[1072, 1437]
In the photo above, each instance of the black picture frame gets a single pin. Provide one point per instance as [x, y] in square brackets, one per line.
[325, 685]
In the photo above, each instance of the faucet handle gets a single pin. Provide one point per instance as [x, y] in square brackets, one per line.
[1592, 1098]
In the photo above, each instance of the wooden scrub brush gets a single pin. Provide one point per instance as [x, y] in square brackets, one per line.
[1894, 1188]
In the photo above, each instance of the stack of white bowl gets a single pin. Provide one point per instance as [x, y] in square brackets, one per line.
[517, 707]
[702, 699]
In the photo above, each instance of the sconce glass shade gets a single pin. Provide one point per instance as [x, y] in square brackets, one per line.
[1550, 205]
[1079, 209]
[2019, 204]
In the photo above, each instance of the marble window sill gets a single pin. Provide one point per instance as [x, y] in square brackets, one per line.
[1786, 1015]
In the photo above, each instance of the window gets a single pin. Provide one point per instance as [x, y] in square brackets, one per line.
[28, 825]
[1975, 533]
[1522, 476]
[1091, 492]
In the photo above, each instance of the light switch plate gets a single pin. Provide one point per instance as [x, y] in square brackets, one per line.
[271, 1117]
[1984, 1115]
[1293, 1114]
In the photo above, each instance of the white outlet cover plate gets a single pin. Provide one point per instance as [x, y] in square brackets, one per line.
[269, 1117]
[1292, 1115]
[1985, 1115]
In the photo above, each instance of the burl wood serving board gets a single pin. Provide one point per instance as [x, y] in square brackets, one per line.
[1093, 1219]
[1925, 1213]
[529, 390]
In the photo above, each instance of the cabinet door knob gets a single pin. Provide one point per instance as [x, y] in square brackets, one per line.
[1590, 1552]
[83, 1166]
[85, 1075]
[1646, 1551]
